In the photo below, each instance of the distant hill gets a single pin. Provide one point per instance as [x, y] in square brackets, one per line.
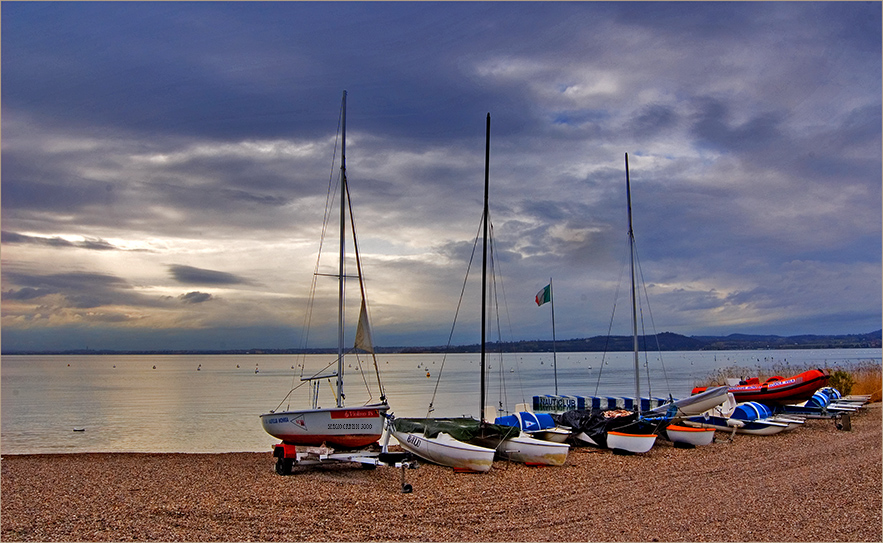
[743, 341]
[666, 341]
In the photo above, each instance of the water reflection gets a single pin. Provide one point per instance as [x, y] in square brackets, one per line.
[212, 403]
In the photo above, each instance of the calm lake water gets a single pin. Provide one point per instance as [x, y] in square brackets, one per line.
[211, 403]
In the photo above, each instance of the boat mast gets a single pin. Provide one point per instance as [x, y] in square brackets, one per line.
[628, 192]
[341, 269]
[487, 155]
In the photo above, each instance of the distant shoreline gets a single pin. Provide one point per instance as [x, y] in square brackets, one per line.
[665, 341]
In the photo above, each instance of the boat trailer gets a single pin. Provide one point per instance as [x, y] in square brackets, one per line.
[288, 455]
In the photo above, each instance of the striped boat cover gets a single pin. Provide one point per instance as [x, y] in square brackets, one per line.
[551, 403]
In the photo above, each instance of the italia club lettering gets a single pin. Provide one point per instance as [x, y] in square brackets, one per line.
[355, 414]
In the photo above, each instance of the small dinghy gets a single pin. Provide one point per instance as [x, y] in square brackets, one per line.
[745, 418]
[433, 440]
[688, 436]
[621, 442]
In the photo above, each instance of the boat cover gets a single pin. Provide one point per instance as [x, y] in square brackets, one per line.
[596, 424]
[832, 393]
[751, 411]
[530, 422]
[818, 400]
[461, 429]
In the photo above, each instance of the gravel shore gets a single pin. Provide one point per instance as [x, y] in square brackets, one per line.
[815, 483]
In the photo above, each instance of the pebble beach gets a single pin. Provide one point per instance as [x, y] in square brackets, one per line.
[816, 483]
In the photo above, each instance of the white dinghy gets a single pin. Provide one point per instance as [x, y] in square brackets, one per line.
[416, 436]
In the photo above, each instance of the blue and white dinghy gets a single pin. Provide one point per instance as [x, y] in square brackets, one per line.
[744, 418]
[537, 425]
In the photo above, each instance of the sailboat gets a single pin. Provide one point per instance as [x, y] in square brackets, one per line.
[341, 426]
[466, 443]
[620, 430]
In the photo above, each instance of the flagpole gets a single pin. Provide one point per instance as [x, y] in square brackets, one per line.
[554, 349]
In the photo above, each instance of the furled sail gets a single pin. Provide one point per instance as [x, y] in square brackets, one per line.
[363, 332]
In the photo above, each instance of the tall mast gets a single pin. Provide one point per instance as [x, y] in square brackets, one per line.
[341, 269]
[628, 192]
[487, 156]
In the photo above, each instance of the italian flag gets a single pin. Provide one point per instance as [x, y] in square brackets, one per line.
[544, 295]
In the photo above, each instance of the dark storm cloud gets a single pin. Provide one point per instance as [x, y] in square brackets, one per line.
[195, 297]
[713, 128]
[197, 276]
[90, 244]
[652, 120]
[77, 290]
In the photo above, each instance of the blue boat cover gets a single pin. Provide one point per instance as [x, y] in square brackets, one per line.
[751, 411]
[819, 400]
[530, 422]
[510, 420]
[832, 393]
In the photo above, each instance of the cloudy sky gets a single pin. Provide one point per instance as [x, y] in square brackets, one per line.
[165, 167]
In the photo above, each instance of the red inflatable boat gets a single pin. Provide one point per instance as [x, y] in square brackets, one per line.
[778, 390]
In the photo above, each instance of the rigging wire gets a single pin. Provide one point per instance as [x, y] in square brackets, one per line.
[508, 317]
[430, 408]
[502, 396]
[610, 328]
[364, 297]
[329, 203]
[652, 327]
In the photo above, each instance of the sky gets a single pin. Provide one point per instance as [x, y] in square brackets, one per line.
[165, 168]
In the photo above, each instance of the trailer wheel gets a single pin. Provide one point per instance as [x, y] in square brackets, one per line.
[283, 466]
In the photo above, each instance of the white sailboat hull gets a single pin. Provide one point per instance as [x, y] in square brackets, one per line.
[532, 451]
[446, 451]
[342, 427]
[754, 427]
[696, 404]
[633, 443]
[555, 435]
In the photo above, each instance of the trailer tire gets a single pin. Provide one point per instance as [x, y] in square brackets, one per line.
[283, 466]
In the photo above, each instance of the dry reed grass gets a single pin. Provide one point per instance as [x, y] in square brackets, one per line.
[868, 380]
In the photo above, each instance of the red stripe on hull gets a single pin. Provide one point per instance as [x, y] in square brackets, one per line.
[355, 414]
[344, 441]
